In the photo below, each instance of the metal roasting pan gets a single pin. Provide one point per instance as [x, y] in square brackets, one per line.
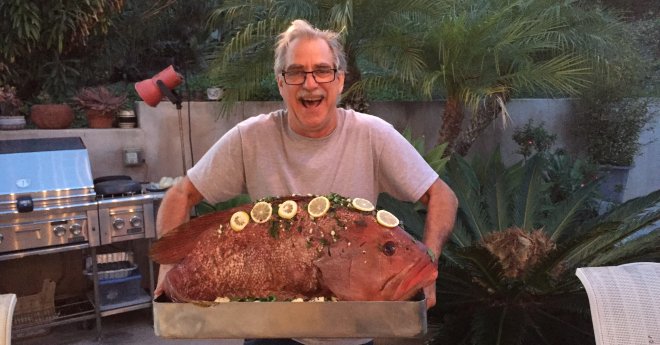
[236, 320]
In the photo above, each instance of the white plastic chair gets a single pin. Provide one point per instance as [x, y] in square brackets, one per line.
[7, 305]
[624, 302]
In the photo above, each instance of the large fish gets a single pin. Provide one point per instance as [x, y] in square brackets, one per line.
[345, 253]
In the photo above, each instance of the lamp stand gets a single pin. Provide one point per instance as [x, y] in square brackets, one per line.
[176, 100]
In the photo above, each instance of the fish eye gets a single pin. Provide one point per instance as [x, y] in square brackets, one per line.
[389, 248]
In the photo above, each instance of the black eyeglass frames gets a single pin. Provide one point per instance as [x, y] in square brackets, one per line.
[321, 76]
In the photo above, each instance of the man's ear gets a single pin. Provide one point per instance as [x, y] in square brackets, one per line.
[280, 84]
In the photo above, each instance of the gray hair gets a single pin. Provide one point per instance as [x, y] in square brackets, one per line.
[302, 29]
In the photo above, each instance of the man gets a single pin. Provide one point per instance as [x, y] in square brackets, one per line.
[313, 147]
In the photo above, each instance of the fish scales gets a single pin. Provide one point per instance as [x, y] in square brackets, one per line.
[340, 254]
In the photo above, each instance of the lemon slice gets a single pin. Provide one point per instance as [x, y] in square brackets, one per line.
[261, 212]
[318, 206]
[386, 219]
[363, 204]
[287, 209]
[239, 220]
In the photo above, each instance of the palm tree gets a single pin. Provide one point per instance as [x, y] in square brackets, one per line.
[508, 275]
[479, 53]
[246, 60]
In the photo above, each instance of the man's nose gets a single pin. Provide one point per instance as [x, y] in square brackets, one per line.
[310, 82]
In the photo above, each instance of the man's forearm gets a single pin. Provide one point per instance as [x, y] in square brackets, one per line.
[441, 205]
[174, 210]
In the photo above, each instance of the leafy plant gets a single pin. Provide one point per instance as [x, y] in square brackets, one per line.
[10, 104]
[99, 98]
[205, 207]
[40, 41]
[533, 139]
[610, 124]
[508, 274]
[567, 175]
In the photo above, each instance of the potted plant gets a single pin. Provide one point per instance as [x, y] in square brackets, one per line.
[47, 113]
[10, 104]
[100, 105]
[609, 126]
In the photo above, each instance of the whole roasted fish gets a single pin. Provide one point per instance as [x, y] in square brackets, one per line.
[344, 253]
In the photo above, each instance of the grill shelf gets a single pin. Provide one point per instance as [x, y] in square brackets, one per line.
[111, 265]
[78, 308]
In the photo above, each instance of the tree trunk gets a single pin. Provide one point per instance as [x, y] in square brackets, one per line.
[479, 121]
[451, 123]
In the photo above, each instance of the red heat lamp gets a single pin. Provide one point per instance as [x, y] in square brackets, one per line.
[151, 91]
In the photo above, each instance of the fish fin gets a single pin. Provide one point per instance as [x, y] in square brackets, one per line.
[172, 247]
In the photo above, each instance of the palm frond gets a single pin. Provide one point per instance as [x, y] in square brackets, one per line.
[644, 248]
[497, 188]
[461, 235]
[467, 189]
[483, 266]
[565, 213]
[643, 208]
[528, 201]
[564, 74]
[640, 216]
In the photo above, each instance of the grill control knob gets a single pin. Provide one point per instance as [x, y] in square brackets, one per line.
[118, 223]
[59, 230]
[76, 229]
[136, 222]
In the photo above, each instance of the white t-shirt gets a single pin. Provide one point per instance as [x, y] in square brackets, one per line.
[362, 157]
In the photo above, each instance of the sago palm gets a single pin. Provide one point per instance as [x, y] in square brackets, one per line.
[508, 274]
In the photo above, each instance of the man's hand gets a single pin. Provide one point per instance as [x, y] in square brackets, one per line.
[429, 292]
[162, 272]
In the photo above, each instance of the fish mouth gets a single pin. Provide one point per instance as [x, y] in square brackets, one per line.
[405, 285]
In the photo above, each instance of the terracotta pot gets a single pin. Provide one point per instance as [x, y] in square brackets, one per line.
[12, 122]
[99, 119]
[51, 116]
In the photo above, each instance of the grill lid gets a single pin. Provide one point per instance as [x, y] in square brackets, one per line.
[46, 169]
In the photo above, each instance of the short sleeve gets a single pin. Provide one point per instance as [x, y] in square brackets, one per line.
[219, 175]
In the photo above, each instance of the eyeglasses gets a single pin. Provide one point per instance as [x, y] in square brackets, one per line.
[320, 76]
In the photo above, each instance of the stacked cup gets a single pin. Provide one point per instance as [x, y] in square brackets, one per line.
[127, 119]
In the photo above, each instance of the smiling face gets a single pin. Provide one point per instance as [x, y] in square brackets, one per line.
[312, 107]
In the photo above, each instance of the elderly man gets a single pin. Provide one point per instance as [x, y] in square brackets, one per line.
[313, 147]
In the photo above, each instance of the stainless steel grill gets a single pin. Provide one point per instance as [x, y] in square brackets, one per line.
[126, 218]
[48, 201]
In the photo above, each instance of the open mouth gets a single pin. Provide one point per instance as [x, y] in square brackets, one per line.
[405, 284]
[311, 102]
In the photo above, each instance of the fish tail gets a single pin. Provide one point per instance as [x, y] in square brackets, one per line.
[172, 247]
